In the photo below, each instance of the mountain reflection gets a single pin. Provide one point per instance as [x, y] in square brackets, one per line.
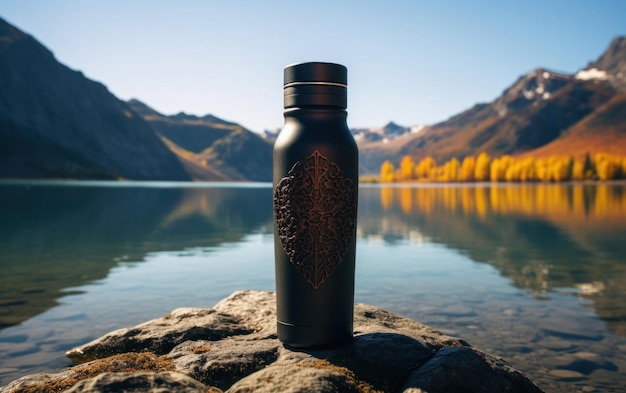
[58, 237]
[546, 238]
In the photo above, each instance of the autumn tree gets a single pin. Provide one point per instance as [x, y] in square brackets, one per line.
[387, 172]
[578, 170]
[526, 171]
[507, 168]
[481, 171]
[542, 169]
[424, 168]
[607, 166]
[499, 167]
[450, 171]
[407, 167]
[558, 168]
[466, 173]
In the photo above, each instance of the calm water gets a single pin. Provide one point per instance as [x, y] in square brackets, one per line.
[535, 274]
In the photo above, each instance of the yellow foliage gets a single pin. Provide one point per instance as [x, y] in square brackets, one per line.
[424, 168]
[608, 166]
[468, 168]
[578, 172]
[387, 172]
[407, 167]
[507, 168]
[605, 169]
[449, 172]
[481, 171]
[499, 168]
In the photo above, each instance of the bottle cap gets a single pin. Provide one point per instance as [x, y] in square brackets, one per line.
[316, 84]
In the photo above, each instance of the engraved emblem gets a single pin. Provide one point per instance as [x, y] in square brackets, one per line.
[315, 207]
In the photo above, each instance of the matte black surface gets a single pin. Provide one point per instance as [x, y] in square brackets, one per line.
[316, 72]
[315, 84]
[309, 317]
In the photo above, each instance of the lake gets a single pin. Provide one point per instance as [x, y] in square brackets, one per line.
[533, 273]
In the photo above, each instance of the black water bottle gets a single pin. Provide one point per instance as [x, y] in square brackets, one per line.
[315, 209]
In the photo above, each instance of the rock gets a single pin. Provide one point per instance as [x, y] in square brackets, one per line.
[161, 335]
[222, 363]
[233, 347]
[314, 376]
[60, 382]
[582, 362]
[572, 330]
[566, 375]
[140, 382]
[448, 370]
[554, 343]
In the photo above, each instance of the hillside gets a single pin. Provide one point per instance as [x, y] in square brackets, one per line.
[211, 148]
[542, 108]
[56, 123]
[602, 131]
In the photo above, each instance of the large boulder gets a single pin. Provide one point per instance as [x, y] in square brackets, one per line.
[233, 348]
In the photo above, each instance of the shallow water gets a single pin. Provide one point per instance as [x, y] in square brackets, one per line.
[535, 274]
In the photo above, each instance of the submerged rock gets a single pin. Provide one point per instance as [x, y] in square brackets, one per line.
[233, 348]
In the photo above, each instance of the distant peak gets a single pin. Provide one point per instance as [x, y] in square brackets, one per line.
[545, 73]
[535, 86]
[611, 65]
[392, 124]
[135, 101]
[141, 108]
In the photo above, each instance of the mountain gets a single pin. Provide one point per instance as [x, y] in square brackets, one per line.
[56, 123]
[390, 131]
[211, 148]
[602, 131]
[612, 63]
[190, 132]
[541, 108]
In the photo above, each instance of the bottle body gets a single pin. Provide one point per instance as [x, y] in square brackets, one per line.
[315, 204]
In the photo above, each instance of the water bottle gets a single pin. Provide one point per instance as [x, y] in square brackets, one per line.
[315, 186]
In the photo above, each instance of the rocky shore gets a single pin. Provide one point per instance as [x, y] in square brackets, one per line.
[232, 347]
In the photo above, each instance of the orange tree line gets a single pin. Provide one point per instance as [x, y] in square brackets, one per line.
[600, 166]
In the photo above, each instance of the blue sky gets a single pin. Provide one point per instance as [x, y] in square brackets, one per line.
[413, 62]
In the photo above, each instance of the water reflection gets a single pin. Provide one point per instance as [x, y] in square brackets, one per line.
[57, 237]
[546, 238]
[576, 202]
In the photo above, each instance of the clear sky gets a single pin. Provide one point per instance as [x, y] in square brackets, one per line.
[413, 62]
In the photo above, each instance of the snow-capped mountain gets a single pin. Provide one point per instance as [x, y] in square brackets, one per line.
[385, 134]
[543, 112]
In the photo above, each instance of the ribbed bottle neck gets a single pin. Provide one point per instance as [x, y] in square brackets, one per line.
[315, 84]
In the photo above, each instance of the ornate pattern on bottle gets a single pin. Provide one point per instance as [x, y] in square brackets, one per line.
[315, 207]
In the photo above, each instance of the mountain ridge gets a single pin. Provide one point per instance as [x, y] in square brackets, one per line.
[211, 148]
[540, 108]
[56, 123]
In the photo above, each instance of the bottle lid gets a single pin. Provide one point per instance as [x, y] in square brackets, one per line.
[316, 84]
